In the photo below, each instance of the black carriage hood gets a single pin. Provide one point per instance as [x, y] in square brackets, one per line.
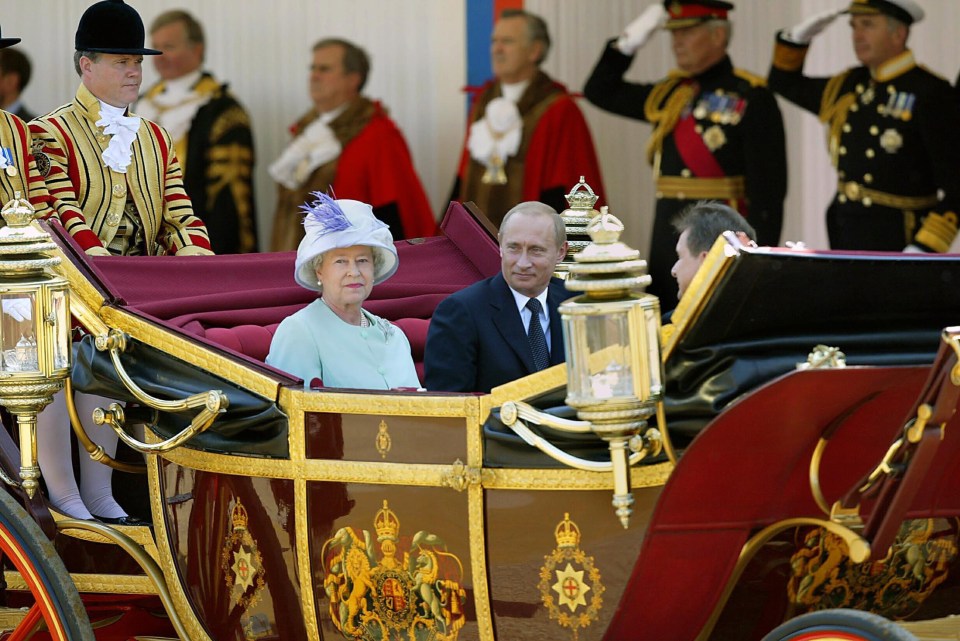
[252, 425]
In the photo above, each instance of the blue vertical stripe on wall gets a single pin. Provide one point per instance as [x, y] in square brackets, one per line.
[479, 26]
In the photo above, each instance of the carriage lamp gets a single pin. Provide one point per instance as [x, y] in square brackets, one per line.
[576, 217]
[34, 328]
[612, 338]
[614, 374]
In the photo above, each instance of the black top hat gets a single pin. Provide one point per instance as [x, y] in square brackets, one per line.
[8, 42]
[110, 26]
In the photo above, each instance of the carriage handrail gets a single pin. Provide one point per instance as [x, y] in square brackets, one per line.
[96, 452]
[514, 413]
[212, 402]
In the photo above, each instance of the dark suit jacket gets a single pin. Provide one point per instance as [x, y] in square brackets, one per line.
[477, 341]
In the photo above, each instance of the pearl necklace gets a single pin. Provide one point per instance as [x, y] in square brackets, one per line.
[363, 319]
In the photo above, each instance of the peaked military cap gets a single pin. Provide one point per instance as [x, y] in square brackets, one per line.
[906, 11]
[687, 13]
[111, 26]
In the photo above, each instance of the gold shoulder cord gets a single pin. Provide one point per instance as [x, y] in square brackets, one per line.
[665, 119]
[834, 110]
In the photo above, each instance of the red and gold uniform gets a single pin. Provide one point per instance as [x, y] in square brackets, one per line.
[93, 201]
[374, 166]
[24, 178]
[556, 148]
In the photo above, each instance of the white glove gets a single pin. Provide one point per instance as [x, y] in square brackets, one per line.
[913, 249]
[804, 32]
[639, 31]
[19, 308]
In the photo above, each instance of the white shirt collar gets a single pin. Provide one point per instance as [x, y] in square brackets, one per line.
[110, 112]
[514, 90]
[184, 84]
[521, 300]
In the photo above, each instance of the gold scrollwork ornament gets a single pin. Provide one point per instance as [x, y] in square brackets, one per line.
[570, 580]
[383, 441]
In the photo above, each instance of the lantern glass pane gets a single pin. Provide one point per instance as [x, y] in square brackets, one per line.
[19, 338]
[651, 317]
[601, 362]
[61, 330]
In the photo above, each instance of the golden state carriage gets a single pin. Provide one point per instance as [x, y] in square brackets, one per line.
[284, 513]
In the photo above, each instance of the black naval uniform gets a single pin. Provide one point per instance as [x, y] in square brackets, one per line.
[893, 139]
[717, 136]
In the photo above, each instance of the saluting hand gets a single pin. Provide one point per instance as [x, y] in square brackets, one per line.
[804, 32]
[639, 31]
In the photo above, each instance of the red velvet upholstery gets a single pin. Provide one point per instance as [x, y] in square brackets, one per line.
[237, 301]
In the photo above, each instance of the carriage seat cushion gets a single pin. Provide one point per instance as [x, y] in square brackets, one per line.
[254, 340]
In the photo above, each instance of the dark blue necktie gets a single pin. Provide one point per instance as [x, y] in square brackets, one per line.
[538, 342]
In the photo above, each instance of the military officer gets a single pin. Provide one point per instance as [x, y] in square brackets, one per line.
[717, 130]
[894, 130]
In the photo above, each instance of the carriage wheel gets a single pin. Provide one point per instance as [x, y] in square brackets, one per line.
[53, 603]
[839, 625]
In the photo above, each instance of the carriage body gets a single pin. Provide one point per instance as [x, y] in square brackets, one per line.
[329, 513]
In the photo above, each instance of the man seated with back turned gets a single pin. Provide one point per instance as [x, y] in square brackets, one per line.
[506, 326]
[699, 226]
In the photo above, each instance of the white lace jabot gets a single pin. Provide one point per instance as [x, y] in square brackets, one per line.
[122, 131]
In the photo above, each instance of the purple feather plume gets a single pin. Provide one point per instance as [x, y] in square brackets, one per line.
[323, 215]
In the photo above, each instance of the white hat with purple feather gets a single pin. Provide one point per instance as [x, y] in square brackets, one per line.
[336, 224]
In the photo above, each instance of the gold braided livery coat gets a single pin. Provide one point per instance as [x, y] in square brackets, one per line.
[15, 137]
[89, 197]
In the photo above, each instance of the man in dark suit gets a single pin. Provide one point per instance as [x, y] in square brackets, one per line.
[507, 326]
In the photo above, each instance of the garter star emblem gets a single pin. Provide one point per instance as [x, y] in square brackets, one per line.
[241, 562]
[714, 138]
[891, 141]
[374, 594]
[570, 585]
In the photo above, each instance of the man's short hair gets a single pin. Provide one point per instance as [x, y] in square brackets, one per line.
[191, 25]
[14, 61]
[706, 220]
[724, 25]
[93, 55]
[536, 29]
[355, 59]
[533, 207]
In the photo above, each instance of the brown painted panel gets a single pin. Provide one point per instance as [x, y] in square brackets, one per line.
[386, 438]
[233, 542]
[549, 578]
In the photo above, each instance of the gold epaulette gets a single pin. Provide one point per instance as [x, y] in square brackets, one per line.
[749, 76]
